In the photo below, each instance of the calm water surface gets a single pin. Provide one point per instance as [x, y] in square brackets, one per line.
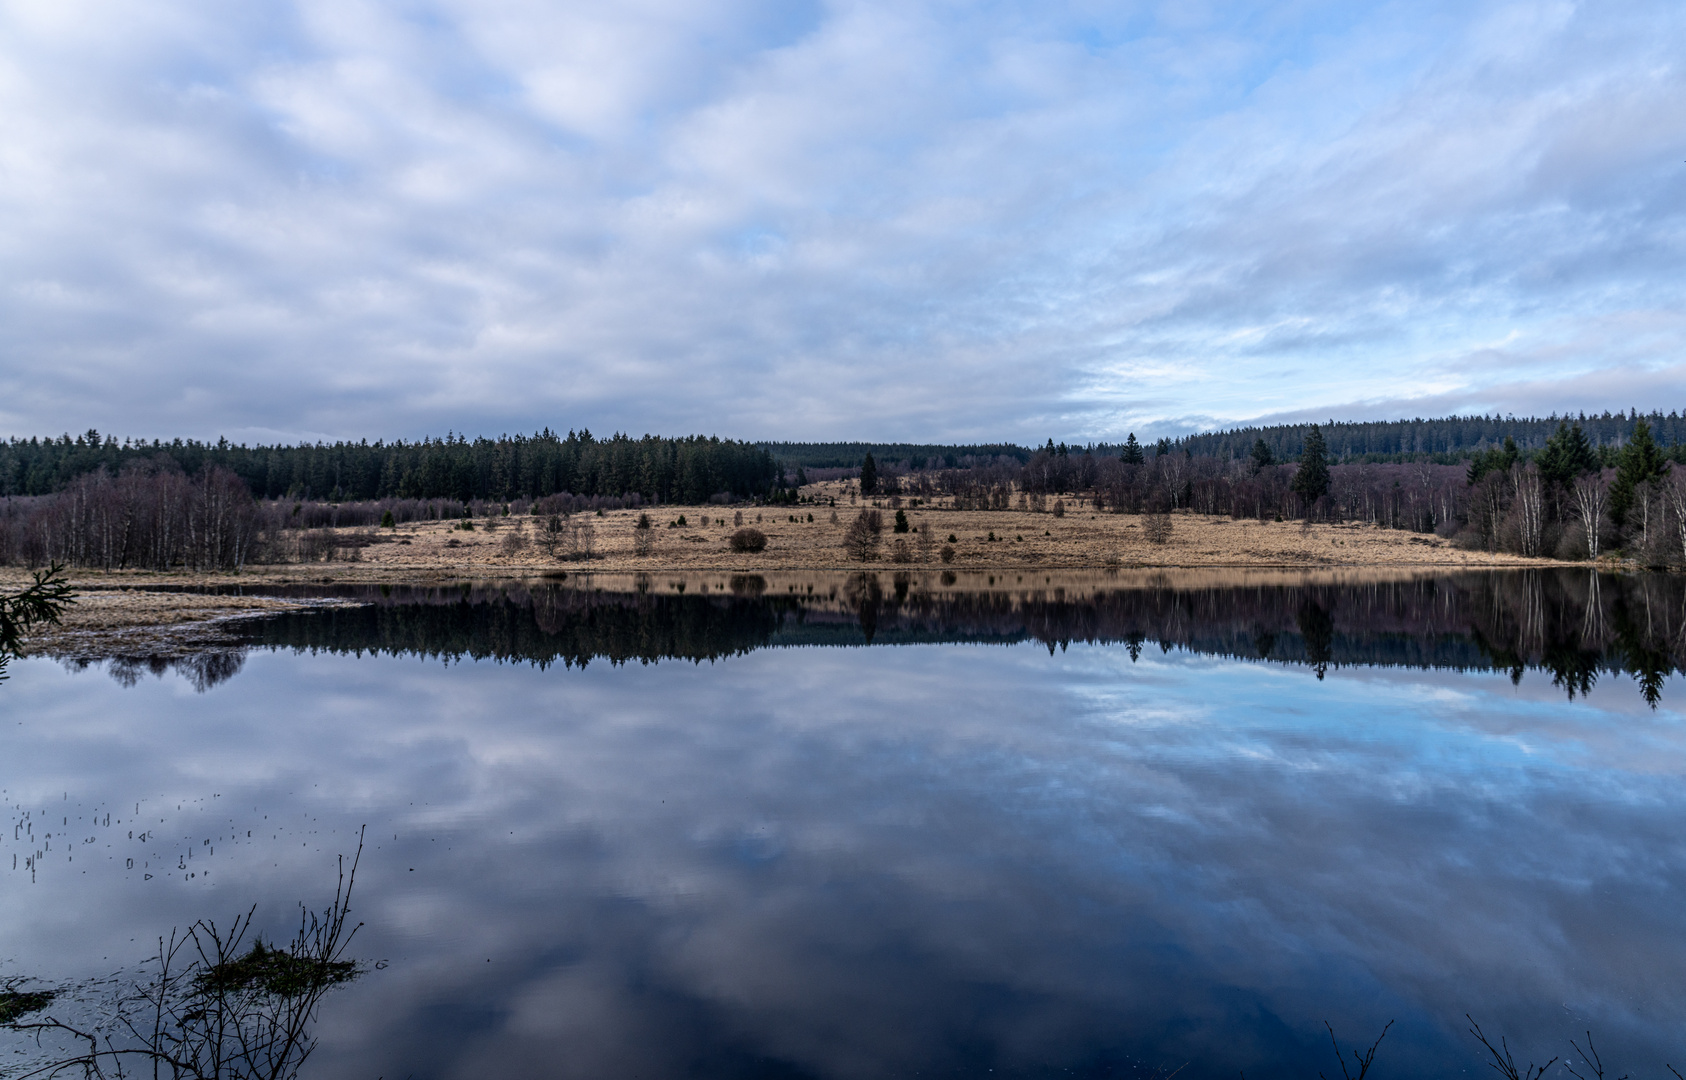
[1089, 833]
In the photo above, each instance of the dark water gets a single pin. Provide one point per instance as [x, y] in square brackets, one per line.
[1037, 828]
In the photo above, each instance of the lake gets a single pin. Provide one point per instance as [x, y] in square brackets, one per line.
[898, 825]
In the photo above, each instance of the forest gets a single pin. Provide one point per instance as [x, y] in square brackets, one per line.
[659, 470]
[1581, 489]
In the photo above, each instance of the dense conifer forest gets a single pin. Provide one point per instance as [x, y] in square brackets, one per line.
[685, 470]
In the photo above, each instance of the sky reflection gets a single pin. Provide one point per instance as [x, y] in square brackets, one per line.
[862, 862]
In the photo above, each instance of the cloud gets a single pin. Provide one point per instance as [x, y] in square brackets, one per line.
[848, 219]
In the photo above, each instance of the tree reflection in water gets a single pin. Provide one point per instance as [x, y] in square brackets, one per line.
[1576, 625]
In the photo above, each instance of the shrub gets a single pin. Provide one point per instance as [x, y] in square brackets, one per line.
[749, 540]
[1157, 527]
[737, 519]
[946, 554]
[387, 521]
[953, 539]
[1059, 508]
[900, 552]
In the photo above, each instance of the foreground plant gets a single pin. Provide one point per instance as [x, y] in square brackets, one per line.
[42, 602]
[215, 1008]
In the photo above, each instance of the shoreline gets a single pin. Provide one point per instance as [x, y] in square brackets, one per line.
[176, 613]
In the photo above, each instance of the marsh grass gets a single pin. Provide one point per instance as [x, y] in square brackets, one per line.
[212, 1006]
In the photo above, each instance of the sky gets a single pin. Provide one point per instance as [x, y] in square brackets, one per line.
[912, 220]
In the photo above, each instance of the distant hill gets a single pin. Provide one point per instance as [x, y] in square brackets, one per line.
[1447, 440]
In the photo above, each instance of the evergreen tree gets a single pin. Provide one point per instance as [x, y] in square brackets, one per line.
[1312, 479]
[1262, 457]
[1132, 452]
[1638, 462]
[1161, 448]
[869, 476]
[1498, 459]
[1567, 454]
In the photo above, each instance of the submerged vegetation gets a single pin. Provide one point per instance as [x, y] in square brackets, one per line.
[207, 1006]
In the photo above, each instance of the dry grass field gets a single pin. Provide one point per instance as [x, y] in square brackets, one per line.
[1006, 549]
[811, 538]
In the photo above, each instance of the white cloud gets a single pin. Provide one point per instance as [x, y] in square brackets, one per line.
[861, 219]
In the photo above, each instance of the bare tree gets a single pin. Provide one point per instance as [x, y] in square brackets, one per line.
[551, 528]
[1530, 509]
[860, 539]
[1677, 498]
[1591, 496]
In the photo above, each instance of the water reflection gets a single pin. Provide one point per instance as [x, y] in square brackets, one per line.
[937, 859]
[1576, 625]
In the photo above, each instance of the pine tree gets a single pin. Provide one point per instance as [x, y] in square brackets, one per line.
[869, 476]
[1262, 457]
[1132, 453]
[1312, 479]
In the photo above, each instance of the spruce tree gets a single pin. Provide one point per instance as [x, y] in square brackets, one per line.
[1312, 479]
[1132, 453]
[1638, 462]
[1567, 455]
[869, 476]
[1262, 457]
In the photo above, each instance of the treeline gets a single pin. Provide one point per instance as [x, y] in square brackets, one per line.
[146, 519]
[1445, 441]
[684, 470]
[834, 455]
[1449, 440]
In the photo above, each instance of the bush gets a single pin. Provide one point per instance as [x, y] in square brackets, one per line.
[387, 521]
[749, 540]
[1059, 508]
[946, 554]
